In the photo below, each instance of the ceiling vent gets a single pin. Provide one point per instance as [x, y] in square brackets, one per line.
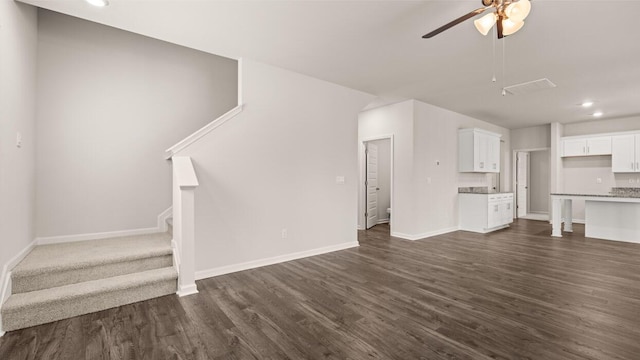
[530, 87]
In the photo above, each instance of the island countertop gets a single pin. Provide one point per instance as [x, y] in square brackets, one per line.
[599, 195]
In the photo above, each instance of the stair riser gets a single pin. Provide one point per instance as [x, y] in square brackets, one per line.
[22, 284]
[58, 310]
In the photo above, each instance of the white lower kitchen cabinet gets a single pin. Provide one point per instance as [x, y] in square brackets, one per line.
[484, 213]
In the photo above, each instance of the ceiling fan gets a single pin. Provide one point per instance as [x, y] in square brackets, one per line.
[509, 16]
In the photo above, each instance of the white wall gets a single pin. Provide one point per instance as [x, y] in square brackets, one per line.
[535, 137]
[426, 177]
[396, 120]
[602, 126]
[18, 48]
[539, 168]
[274, 167]
[110, 102]
[384, 178]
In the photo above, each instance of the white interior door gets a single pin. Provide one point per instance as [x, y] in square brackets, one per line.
[522, 176]
[372, 185]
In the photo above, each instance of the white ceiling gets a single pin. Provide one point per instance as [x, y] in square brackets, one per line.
[589, 49]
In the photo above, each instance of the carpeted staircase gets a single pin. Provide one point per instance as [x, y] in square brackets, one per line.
[60, 281]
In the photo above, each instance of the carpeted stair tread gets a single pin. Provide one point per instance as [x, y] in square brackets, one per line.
[77, 255]
[62, 294]
[44, 306]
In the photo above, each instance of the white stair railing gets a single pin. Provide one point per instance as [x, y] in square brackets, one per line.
[184, 185]
[184, 143]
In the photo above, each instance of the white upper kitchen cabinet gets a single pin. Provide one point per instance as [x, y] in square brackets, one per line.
[586, 146]
[625, 156]
[478, 151]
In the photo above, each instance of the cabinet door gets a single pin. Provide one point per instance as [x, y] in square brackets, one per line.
[599, 145]
[493, 154]
[637, 153]
[494, 217]
[574, 147]
[507, 215]
[623, 153]
[481, 142]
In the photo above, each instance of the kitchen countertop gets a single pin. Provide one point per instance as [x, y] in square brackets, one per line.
[597, 195]
[488, 193]
[479, 190]
[615, 193]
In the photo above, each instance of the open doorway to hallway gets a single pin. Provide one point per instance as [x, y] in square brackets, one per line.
[532, 183]
[376, 184]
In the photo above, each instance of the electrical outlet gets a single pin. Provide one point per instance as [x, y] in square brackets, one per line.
[598, 180]
[19, 140]
[631, 181]
[284, 233]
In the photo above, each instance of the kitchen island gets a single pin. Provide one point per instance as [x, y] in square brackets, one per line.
[614, 216]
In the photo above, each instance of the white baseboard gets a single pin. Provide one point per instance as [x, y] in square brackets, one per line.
[5, 280]
[424, 235]
[203, 274]
[161, 226]
[162, 219]
[383, 221]
[187, 290]
[95, 236]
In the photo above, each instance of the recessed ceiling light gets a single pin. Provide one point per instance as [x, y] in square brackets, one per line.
[597, 113]
[587, 104]
[98, 3]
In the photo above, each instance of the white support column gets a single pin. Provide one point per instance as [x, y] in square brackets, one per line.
[187, 278]
[184, 185]
[568, 215]
[556, 216]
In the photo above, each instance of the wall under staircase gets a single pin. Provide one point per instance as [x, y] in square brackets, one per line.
[279, 180]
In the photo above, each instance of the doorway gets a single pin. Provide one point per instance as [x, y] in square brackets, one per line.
[532, 179]
[376, 184]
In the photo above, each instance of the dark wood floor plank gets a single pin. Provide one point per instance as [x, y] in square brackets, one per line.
[512, 294]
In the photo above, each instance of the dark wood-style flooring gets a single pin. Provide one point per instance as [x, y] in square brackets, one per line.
[512, 294]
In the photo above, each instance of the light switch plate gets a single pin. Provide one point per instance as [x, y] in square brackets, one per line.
[339, 179]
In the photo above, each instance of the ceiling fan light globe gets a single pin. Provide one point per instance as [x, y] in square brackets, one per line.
[98, 3]
[510, 27]
[518, 11]
[485, 23]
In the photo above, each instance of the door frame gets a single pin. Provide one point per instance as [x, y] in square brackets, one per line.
[514, 164]
[528, 181]
[362, 220]
[368, 186]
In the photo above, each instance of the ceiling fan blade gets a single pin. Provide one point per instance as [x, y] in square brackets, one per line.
[455, 22]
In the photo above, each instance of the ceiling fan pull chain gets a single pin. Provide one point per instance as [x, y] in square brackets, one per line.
[493, 79]
[504, 65]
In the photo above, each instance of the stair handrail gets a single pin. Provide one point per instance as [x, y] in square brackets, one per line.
[184, 143]
[185, 182]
